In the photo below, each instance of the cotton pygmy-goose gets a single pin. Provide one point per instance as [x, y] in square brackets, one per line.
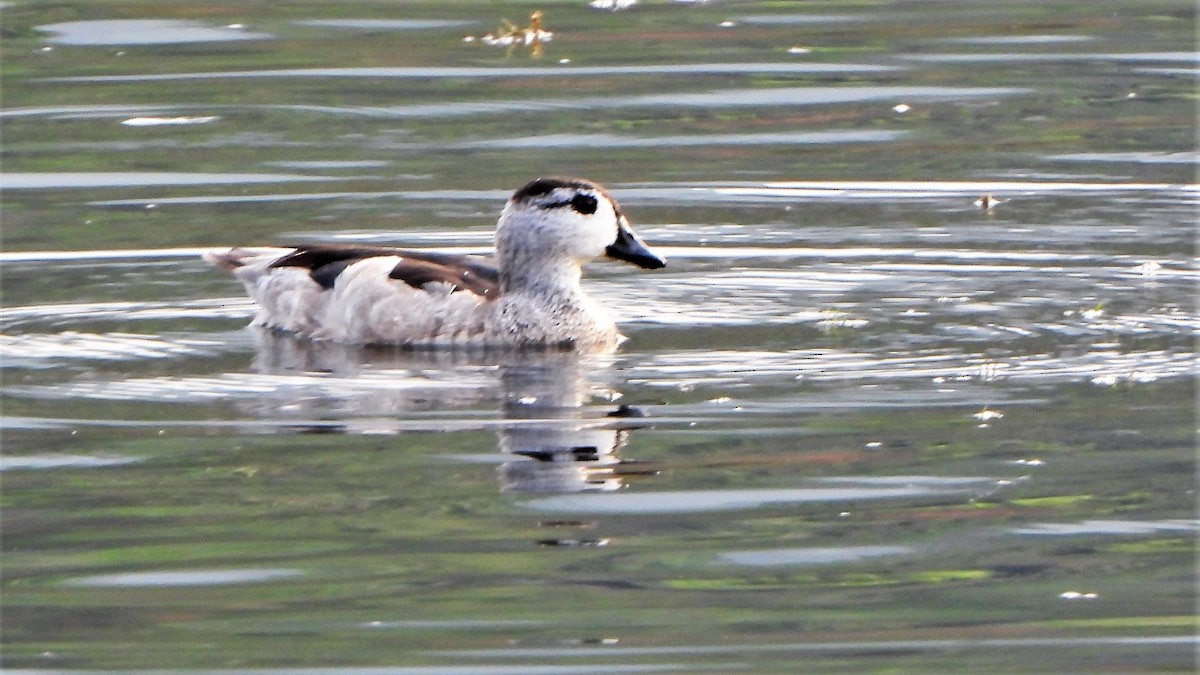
[528, 296]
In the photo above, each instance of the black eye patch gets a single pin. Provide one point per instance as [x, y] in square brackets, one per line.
[585, 204]
[582, 203]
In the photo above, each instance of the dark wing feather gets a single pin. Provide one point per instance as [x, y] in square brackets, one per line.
[327, 274]
[416, 268]
[464, 274]
[320, 255]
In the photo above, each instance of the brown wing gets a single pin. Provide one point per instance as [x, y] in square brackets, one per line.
[416, 268]
[464, 274]
[319, 255]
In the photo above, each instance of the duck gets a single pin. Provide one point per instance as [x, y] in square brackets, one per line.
[528, 295]
[987, 202]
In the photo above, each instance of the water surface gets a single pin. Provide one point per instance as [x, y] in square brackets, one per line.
[865, 420]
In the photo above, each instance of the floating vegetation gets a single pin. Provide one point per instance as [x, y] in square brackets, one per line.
[987, 202]
[511, 36]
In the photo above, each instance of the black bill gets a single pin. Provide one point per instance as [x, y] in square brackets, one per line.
[630, 248]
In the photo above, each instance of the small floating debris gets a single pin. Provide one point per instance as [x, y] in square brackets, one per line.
[168, 121]
[1148, 269]
[901, 108]
[799, 51]
[612, 5]
[727, 24]
[510, 35]
[987, 202]
[1133, 376]
[626, 410]
[837, 322]
[574, 543]
[1076, 595]
[987, 414]
[1029, 462]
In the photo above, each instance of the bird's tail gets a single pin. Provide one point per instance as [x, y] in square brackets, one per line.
[231, 259]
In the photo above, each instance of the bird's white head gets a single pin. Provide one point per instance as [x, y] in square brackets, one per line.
[551, 221]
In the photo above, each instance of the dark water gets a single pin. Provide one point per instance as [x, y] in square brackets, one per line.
[860, 424]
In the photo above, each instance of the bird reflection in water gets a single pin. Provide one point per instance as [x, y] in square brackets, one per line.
[552, 441]
[564, 449]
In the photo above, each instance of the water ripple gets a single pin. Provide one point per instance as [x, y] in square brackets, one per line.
[185, 578]
[383, 391]
[925, 189]
[1133, 57]
[1110, 527]
[720, 98]
[18, 462]
[811, 556]
[35, 349]
[446, 72]
[695, 194]
[684, 368]
[384, 24]
[691, 140]
[143, 32]
[115, 179]
[69, 313]
[696, 501]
